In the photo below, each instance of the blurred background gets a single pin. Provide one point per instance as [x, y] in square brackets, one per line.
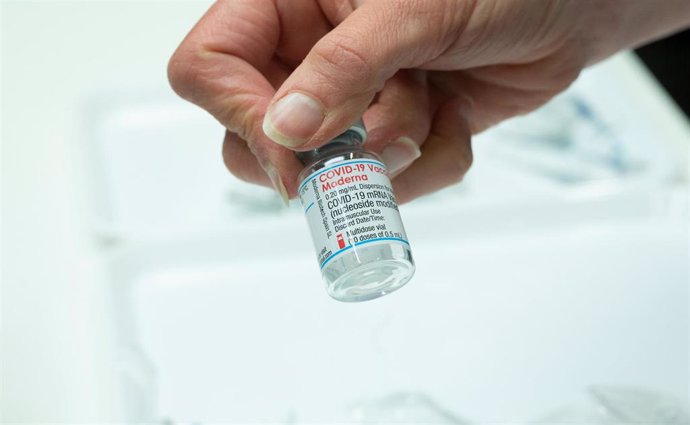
[143, 283]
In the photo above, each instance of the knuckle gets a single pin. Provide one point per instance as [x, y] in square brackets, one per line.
[460, 160]
[200, 80]
[439, 23]
[241, 115]
[342, 58]
[567, 76]
[234, 159]
[229, 157]
[185, 71]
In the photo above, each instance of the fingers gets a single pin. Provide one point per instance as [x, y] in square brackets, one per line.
[503, 91]
[446, 154]
[217, 65]
[339, 77]
[400, 120]
[225, 65]
[302, 24]
[241, 162]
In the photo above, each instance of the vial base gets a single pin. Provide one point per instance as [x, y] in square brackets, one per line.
[368, 272]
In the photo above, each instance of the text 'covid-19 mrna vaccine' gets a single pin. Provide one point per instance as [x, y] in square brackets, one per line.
[361, 245]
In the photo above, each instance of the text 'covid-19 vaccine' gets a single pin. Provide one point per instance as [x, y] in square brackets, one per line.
[361, 245]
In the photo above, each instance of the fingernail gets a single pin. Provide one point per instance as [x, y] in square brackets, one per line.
[278, 185]
[293, 120]
[399, 154]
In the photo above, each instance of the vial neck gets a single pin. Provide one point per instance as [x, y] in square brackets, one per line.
[349, 141]
[334, 152]
[329, 151]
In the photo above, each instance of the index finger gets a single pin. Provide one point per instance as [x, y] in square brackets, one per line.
[221, 66]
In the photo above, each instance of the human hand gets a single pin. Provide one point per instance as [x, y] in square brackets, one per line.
[425, 74]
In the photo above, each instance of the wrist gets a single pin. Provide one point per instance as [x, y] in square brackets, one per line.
[611, 26]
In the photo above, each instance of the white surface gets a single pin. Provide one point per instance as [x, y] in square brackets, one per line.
[523, 280]
[56, 362]
[496, 329]
[60, 331]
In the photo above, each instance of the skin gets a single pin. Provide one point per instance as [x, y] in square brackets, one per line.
[432, 72]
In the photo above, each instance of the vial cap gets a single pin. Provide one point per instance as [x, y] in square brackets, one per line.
[359, 129]
[356, 135]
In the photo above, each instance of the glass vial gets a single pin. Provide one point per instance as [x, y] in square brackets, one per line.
[361, 245]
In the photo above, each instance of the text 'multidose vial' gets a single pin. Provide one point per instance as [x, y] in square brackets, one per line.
[361, 245]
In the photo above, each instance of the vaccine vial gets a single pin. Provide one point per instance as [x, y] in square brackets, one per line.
[347, 198]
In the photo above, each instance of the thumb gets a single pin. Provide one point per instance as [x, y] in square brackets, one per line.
[340, 76]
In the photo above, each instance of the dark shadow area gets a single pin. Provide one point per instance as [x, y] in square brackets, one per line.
[669, 61]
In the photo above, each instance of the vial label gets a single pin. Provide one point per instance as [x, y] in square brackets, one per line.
[348, 205]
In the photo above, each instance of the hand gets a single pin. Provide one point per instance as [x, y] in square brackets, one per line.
[425, 74]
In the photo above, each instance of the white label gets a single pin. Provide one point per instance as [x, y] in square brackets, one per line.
[350, 204]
